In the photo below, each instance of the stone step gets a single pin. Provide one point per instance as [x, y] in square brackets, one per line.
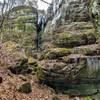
[92, 50]
[67, 40]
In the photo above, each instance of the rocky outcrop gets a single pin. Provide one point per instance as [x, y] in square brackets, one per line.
[71, 57]
[21, 27]
[69, 10]
[95, 14]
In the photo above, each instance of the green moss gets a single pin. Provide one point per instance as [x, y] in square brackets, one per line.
[85, 51]
[32, 61]
[57, 52]
[25, 88]
[21, 67]
[55, 97]
[82, 90]
[88, 98]
[40, 74]
[21, 29]
[72, 40]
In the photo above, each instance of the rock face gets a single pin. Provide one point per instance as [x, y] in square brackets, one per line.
[95, 14]
[68, 10]
[71, 58]
[21, 29]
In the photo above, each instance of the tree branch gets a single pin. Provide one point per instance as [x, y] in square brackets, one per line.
[46, 2]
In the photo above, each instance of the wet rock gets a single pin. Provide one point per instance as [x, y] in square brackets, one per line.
[79, 76]
[83, 90]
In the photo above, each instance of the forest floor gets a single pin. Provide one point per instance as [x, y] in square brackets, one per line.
[8, 88]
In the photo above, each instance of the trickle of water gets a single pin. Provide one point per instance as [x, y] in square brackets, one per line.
[93, 63]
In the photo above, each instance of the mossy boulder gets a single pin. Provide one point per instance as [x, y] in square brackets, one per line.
[72, 40]
[21, 67]
[25, 88]
[40, 74]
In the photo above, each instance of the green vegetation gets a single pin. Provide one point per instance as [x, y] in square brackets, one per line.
[21, 28]
[40, 74]
[21, 67]
[72, 40]
[56, 52]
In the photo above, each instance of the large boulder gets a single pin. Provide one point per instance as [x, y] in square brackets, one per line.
[78, 75]
[13, 57]
[25, 88]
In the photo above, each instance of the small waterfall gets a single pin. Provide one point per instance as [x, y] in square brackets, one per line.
[93, 64]
[40, 29]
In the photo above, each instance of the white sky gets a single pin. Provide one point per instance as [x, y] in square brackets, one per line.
[42, 5]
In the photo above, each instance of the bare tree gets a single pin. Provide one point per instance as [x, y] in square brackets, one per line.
[46, 2]
[6, 6]
[32, 3]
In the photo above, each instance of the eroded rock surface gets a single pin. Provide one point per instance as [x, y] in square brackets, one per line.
[71, 58]
[95, 14]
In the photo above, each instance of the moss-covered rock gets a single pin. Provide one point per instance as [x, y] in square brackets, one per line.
[25, 88]
[95, 14]
[55, 53]
[32, 61]
[83, 90]
[79, 76]
[87, 50]
[40, 74]
[21, 29]
[72, 40]
[21, 67]
[55, 97]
